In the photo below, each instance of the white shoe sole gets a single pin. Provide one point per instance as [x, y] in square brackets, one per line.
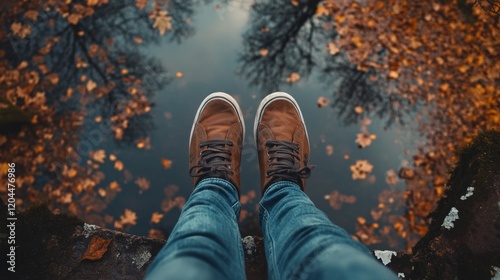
[218, 96]
[270, 98]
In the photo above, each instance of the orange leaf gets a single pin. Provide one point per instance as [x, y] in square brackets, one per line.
[166, 163]
[97, 248]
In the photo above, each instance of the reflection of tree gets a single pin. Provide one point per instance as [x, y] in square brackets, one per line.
[288, 33]
[294, 39]
[78, 72]
[389, 58]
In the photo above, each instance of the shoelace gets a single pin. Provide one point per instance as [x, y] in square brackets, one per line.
[286, 166]
[215, 160]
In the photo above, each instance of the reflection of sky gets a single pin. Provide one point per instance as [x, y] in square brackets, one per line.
[209, 61]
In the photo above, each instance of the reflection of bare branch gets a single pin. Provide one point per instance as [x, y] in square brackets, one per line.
[294, 40]
[490, 6]
[289, 42]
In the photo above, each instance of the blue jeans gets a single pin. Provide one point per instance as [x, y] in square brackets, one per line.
[300, 241]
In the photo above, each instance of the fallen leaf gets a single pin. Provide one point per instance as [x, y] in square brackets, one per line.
[393, 75]
[31, 15]
[118, 165]
[53, 78]
[294, 77]
[322, 101]
[97, 248]
[143, 183]
[156, 217]
[364, 139]
[163, 22]
[128, 218]
[98, 156]
[114, 186]
[329, 150]
[360, 169]
[166, 163]
[141, 4]
[91, 85]
[333, 49]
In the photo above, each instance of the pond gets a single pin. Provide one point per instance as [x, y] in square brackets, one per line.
[118, 84]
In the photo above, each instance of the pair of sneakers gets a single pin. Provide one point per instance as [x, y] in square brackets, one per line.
[217, 134]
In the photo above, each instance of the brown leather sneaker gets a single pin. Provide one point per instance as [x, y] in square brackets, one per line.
[216, 139]
[282, 141]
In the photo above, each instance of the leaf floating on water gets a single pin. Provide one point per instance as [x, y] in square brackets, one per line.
[97, 248]
[322, 102]
[99, 156]
[166, 163]
[294, 77]
[322, 11]
[393, 75]
[31, 15]
[264, 52]
[143, 183]
[336, 199]
[114, 186]
[144, 143]
[129, 218]
[138, 40]
[361, 169]
[391, 177]
[329, 150]
[118, 165]
[333, 49]
[358, 110]
[91, 85]
[156, 217]
[179, 74]
[162, 21]
[141, 4]
[364, 139]
[53, 78]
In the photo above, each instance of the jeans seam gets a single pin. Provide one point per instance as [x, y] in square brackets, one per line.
[274, 264]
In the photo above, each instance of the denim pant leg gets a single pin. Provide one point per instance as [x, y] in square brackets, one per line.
[302, 243]
[205, 242]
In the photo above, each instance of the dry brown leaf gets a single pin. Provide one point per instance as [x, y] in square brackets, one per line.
[99, 155]
[162, 22]
[358, 110]
[118, 165]
[322, 102]
[156, 217]
[329, 150]
[143, 183]
[97, 248]
[166, 163]
[91, 85]
[294, 77]
[333, 49]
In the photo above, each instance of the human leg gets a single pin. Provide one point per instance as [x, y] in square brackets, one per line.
[206, 243]
[300, 241]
